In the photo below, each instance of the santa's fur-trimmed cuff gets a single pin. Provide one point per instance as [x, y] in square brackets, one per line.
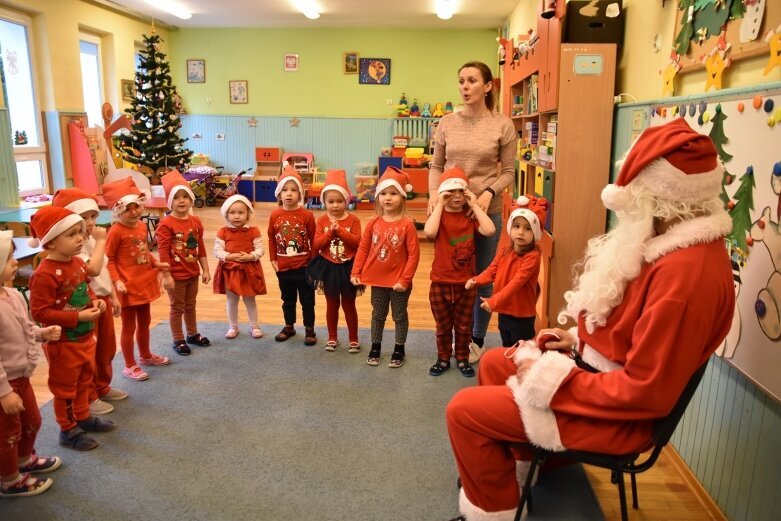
[475, 513]
[526, 350]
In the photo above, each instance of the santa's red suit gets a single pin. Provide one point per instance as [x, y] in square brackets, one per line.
[672, 317]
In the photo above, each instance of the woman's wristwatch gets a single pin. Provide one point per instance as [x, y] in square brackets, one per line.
[491, 191]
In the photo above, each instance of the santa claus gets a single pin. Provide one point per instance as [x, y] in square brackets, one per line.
[654, 299]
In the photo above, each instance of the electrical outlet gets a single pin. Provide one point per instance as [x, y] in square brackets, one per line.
[638, 119]
[389, 101]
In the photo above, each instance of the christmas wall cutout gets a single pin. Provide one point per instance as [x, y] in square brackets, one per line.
[773, 39]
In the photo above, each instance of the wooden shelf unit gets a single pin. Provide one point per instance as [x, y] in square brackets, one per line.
[575, 88]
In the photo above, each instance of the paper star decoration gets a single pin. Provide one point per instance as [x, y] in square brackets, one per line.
[294, 122]
[252, 122]
[773, 38]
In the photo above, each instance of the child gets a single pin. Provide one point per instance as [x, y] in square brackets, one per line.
[387, 258]
[336, 239]
[515, 270]
[180, 243]
[20, 418]
[133, 271]
[453, 232]
[239, 248]
[292, 229]
[59, 295]
[80, 202]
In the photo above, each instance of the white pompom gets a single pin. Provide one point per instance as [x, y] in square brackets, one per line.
[408, 187]
[285, 163]
[522, 201]
[616, 197]
[32, 242]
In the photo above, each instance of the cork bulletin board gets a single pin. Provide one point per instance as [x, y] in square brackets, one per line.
[771, 20]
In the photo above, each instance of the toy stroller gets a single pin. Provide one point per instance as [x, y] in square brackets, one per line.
[216, 188]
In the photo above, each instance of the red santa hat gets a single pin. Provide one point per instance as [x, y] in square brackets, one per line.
[174, 182]
[76, 200]
[533, 209]
[236, 198]
[453, 179]
[120, 193]
[396, 178]
[49, 222]
[337, 180]
[6, 246]
[289, 174]
[673, 161]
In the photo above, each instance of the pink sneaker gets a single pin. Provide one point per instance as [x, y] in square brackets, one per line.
[154, 360]
[135, 373]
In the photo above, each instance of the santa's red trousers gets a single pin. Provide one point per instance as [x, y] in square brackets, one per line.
[70, 378]
[479, 421]
[18, 431]
[105, 350]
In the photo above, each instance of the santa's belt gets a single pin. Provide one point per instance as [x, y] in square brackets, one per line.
[580, 362]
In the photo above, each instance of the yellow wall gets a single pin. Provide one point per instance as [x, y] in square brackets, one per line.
[639, 66]
[56, 26]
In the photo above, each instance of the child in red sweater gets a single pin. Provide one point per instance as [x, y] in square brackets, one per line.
[453, 231]
[291, 230]
[387, 258]
[515, 270]
[59, 295]
[336, 239]
[20, 419]
[180, 243]
[133, 271]
[239, 247]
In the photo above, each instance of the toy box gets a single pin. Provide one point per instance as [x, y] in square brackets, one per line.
[364, 187]
[199, 159]
[365, 169]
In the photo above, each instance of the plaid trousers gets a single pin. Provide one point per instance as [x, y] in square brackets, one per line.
[451, 305]
[381, 299]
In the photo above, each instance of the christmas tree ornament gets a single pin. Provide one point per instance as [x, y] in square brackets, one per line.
[768, 106]
[757, 102]
[740, 212]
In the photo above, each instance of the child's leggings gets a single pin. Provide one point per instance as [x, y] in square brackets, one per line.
[350, 315]
[18, 431]
[451, 305]
[104, 351]
[182, 299]
[71, 365]
[381, 298]
[233, 308]
[135, 321]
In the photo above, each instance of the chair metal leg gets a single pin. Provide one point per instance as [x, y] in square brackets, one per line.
[635, 503]
[526, 491]
[622, 496]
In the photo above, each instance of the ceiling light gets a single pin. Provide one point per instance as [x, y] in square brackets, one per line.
[170, 7]
[308, 7]
[445, 9]
[311, 14]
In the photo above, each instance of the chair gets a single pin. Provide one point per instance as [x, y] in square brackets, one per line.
[621, 464]
[21, 281]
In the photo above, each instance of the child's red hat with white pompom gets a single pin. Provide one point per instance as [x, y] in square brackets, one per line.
[533, 209]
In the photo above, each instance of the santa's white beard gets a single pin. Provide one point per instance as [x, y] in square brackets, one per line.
[610, 262]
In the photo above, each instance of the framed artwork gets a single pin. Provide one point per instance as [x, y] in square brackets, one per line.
[350, 63]
[238, 91]
[374, 71]
[291, 62]
[128, 90]
[196, 71]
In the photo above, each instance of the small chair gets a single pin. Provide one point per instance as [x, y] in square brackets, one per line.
[619, 464]
[21, 281]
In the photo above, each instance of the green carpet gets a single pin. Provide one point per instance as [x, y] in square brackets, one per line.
[258, 430]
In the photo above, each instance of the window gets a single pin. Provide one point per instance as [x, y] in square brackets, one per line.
[91, 78]
[19, 96]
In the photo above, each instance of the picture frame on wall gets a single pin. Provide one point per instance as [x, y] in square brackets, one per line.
[128, 90]
[238, 91]
[350, 63]
[196, 71]
[290, 62]
[374, 71]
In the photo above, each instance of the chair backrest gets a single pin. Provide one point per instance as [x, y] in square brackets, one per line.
[39, 257]
[664, 427]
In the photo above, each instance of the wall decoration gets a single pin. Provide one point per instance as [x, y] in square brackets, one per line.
[374, 71]
[350, 62]
[196, 71]
[291, 62]
[128, 90]
[238, 91]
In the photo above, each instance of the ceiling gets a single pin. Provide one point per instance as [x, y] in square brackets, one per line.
[334, 13]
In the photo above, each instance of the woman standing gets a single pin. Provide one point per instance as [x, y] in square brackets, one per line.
[482, 142]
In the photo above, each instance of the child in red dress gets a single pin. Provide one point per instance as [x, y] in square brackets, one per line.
[20, 419]
[59, 295]
[134, 271]
[239, 248]
[180, 243]
[387, 258]
[514, 272]
[336, 240]
[291, 230]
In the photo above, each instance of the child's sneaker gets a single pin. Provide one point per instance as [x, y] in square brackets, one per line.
[310, 337]
[154, 360]
[95, 424]
[114, 395]
[355, 347]
[99, 407]
[26, 485]
[331, 345]
[77, 439]
[286, 333]
[40, 465]
[134, 373]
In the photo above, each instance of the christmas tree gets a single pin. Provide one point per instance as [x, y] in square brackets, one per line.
[720, 139]
[684, 37]
[154, 141]
[740, 210]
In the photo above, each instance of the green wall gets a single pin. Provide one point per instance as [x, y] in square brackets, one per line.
[424, 64]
